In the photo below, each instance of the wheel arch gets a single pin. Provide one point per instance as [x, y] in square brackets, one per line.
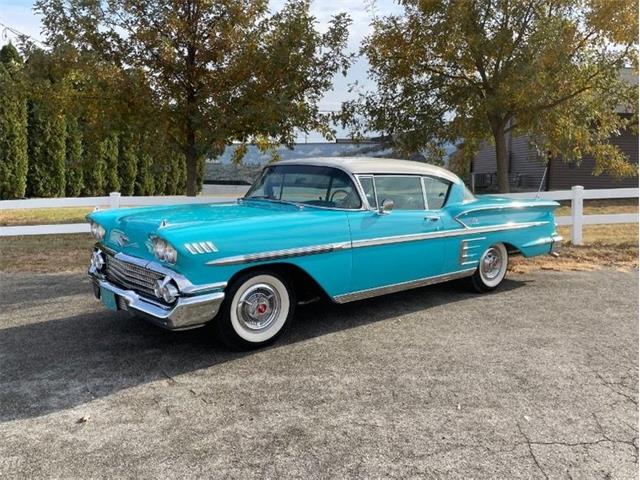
[512, 249]
[306, 287]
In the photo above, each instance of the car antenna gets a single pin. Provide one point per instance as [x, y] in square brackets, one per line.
[542, 181]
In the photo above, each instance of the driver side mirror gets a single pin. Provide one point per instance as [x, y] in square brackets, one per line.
[386, 206]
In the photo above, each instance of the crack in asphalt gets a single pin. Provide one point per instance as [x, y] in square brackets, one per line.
[531, 453]
[610, 386]
[583, 443]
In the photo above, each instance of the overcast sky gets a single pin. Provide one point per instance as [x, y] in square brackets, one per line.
[19, 15]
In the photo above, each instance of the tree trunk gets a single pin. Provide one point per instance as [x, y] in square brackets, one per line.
[502, 157]
[192, 159]
[192, 173]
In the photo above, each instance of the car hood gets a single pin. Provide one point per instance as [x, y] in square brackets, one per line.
[128, 230]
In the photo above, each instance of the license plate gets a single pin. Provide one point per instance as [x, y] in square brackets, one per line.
[108, 299]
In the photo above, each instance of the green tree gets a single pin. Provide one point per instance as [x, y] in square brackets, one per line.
[222, 71]
[94, 167]
[127, 164]
[74, 158]
[474, 70]
[13, 125]
[110, 151]
[180, 166]
[176, 175]
[145, 184]
[47, 152]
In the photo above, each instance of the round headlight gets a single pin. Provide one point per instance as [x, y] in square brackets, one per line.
[170, 254]
[97, 231]
[159, 247]
[163, 251]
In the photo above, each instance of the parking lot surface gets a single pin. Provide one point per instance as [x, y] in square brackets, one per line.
[537, 380]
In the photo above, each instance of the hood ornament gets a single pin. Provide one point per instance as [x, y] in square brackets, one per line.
[163, 223]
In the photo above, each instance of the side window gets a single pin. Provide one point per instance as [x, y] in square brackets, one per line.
[436, 191]
[406, 192]
[367, 186]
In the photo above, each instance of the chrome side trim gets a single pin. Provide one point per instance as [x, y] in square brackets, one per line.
[414, 237]
[466, 255]
[397, 287]
[196, 248]
[513, 206]
[280, 254]
[370, 242]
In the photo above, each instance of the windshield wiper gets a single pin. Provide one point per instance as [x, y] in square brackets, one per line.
[271, 199]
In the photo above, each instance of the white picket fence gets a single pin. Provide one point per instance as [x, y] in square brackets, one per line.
[577, 220]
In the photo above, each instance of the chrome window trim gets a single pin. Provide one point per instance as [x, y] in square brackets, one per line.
[398, 287]
[424, 202]
[424, 189]
[424, 193]
[280, 254]
[370, 242]
[364, 195]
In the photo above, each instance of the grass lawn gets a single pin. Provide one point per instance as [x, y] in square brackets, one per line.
[601, 207]
[45, 253]
[43, 216]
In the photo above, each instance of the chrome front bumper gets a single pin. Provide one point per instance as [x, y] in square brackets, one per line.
[195, 305]
[185, 313]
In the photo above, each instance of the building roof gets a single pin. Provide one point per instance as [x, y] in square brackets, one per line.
[364, 165]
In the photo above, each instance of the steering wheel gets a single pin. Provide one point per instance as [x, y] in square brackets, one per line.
[344, 192]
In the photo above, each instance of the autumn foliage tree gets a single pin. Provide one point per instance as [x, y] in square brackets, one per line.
[473, 70]
[222, 70]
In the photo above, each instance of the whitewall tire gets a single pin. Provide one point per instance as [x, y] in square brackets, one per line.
[257, 309]
[492, 268]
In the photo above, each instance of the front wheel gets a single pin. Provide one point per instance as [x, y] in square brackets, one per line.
[492, 269]
[257, 309]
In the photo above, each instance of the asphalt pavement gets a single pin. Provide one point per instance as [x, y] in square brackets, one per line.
[536, 380]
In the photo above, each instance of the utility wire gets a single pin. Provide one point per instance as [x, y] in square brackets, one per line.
[7, 28]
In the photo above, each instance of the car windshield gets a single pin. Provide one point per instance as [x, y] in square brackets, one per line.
[306, 184]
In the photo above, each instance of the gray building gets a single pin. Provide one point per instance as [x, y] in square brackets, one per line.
[527, 169]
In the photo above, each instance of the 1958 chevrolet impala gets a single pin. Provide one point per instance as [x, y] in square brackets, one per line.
[345, 228]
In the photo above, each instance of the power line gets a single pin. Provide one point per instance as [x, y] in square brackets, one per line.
[7, 28]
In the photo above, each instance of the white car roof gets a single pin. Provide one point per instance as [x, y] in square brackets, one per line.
[364, 165]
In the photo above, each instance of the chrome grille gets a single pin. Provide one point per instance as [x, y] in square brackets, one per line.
[132, 277]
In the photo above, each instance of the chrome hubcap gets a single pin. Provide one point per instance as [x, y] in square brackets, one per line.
[491, 264]
[258, 307]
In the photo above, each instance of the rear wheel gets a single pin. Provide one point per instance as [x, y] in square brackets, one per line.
[492, 268]
[257, 309]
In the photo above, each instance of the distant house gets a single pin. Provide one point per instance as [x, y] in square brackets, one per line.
[527, 169]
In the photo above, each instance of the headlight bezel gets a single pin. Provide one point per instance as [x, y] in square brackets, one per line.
[163, 250]
[97, 230]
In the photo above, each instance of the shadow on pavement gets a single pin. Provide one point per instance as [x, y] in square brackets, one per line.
[55, 365]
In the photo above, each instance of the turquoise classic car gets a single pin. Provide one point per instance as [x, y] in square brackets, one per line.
[342, 228]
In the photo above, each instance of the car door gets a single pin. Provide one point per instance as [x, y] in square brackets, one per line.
[396, 246]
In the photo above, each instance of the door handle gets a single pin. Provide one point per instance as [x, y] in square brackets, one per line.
[432, 218]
